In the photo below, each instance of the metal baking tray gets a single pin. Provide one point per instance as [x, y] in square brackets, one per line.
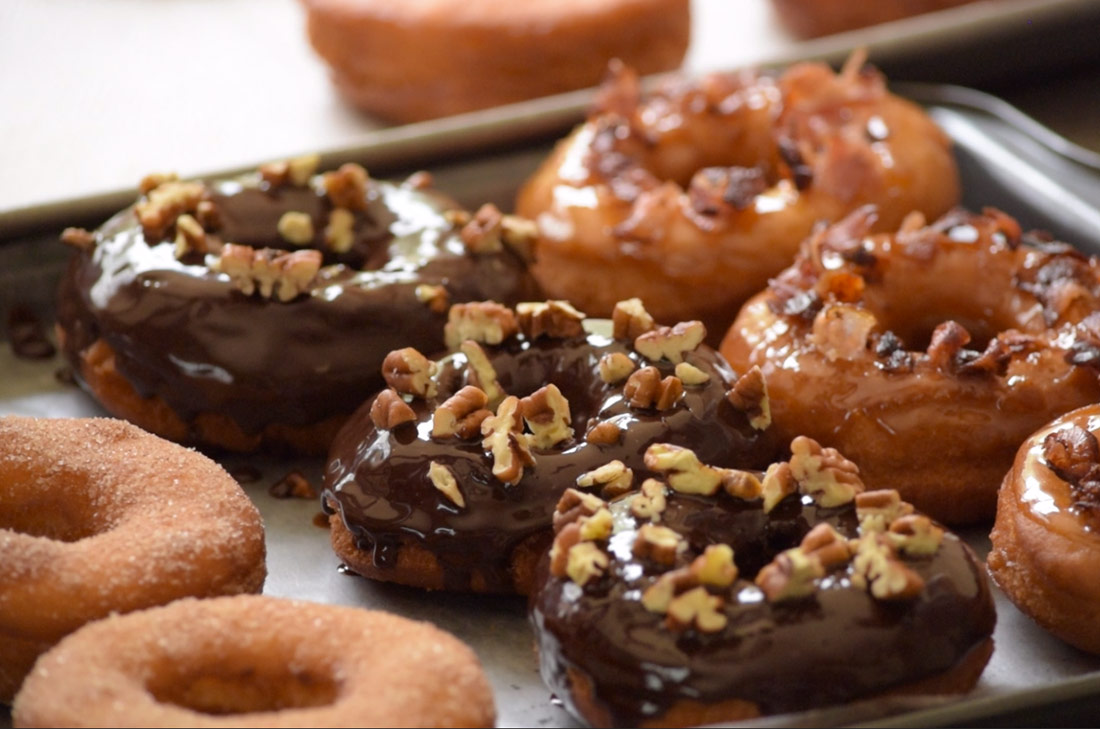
[1006, 161]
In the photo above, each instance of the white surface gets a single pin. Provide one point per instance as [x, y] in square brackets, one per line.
[94, 94]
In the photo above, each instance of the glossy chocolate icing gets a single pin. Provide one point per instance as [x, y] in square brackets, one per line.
[378, 479]
[182, 332]
[837, 645]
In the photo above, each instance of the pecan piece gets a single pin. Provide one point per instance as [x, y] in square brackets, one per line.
[461, 414]
[825, 544]
[615, 367]
[555, 319]
[697, 608]
[671, 343]
[657, 543]
[347, 187]
[830, 478]
[606, 433]
[750, 395]
[915, 535]
[78, 238]
[166, 202]
[613, 478]
[841, 331]
[389, 411]
[482, 321]
[339, 234]
[715, 566]
[547, 414]
[645, 389]
[482, 234]
[296, 228]
[410, 373]
[481, 372]
[506, 442]
[585, 562]
[875, 569]
[650, 501]
[792, 575]
[630, 320]
[691, 375]
[445, 482]
[876, 509]
[436, 297]
[778, 484]
[573, 505]
[682, 468]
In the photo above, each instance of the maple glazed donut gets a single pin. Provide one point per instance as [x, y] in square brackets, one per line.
[435, 482]
[1046, 540]
[251, 661]
[98, 517]
[422, 59]
[927, 355]
[693, 197]
[701, 596]
[256, 312]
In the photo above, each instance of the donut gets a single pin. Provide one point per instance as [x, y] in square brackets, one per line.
[692, 197]
[422, 59]
[1046, 539]
[763, 593]
[814, 18]
[253, 661]
[928, 354]
[437, 483]
[255, 313]
[98, 517]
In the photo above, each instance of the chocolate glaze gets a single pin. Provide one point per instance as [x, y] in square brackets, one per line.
[182, 332]
[378, 479]
[835, 646]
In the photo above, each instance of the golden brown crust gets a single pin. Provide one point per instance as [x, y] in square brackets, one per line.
[117, 395]
[1043, 557]
[97, 517]
[257, 661]
[813, 18]
[416, 61]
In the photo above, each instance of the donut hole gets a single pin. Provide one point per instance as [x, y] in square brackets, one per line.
[40, 509]
[222, 690]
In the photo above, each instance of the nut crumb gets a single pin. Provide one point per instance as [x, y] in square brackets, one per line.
[294, 485]
[630, 320]
[445, 482]
[671, 343]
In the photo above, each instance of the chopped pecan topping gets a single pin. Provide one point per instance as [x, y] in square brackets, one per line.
[564, 540]
[607, 432]
[650, 501]
[481, 373]
[741, 484]
[482, 234]
[347, 186]
[436, 297]
[630, 320]
[596, 527]
[208, 215]
[268, 271]
[573, 505]
[717, 189]
[78, 238]
[445, 482]
[682, 468]
[154, 180]
[585, 562]
[825, 544]
[1072, 453]
[481, 321]
[876, 509]
[547, 414]
[948, 340]
[506, 442]
[750, 395]
[876, 569]
[461, 415]
[189, 236]
[615, 367]
[296, 228]
[645, 389]
[657, 543]
[778, 484]
[340, 231]
[613, 478]
[691, 375]
[792, 575]
[671, 343]
[556, 319]
[389, 411]
[915, 535]
[698, 608]
[715, 566]
[166, 202]
[841, 331]
[419, 180]
[301, 168]
[410, 373]
[520, 235]
[294, 485]
[830, 478]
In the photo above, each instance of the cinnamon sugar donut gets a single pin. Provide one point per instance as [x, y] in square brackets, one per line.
[255, 313]
[927, 355]
[420, 59]
[437, 483]
[693, 197]
[691, 601]
[98, 517]
[1046, 540]
[251, 661]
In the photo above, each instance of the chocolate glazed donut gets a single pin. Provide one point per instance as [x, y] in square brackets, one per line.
[429, 487]
[713, 595]
[256, 312]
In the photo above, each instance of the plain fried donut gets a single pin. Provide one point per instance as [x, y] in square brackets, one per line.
[419, 59]
[449, 478]
[255, 313]
[691, 198]
[1046, 540]
[251, 661]
[98, 517]
[692, 600]
[927, 355]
